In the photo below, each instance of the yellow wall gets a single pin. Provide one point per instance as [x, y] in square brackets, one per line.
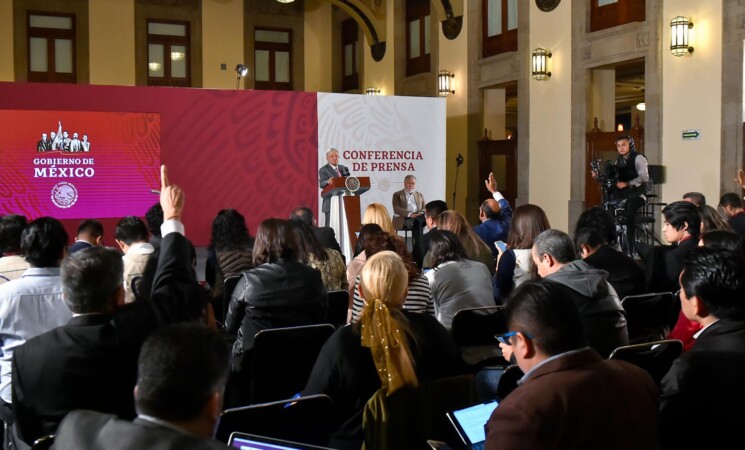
[318, 45]
[453, 58]
[6, 40]
[551, 113]
[112, 42]
[381, 74]
[222, 42]
[691, 99]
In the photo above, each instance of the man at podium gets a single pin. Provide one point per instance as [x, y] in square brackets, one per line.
[327, 173]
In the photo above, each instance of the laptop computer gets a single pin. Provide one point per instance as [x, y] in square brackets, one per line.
[470, 422]
[247, 441]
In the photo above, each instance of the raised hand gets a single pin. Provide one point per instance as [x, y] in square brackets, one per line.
[171, 197]
[491, 183]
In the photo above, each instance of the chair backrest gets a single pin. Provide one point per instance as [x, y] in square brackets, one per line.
[228, 288]
[655, 357]
[477, 326]
[43, 443]
[508, 381]
[135, 286]
[650, 316]
[283, 359]
[410, 416]
[338, 306]
[304, 419]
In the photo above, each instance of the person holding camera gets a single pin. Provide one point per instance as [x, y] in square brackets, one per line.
[631, 175]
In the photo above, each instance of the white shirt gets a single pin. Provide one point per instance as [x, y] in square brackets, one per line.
[29, 306]
[411, 202]
[12, 267]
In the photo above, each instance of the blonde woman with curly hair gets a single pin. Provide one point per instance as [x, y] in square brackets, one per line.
[476, 249]
[378, 214]
[389, 348]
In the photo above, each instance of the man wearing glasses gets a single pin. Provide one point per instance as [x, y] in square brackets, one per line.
[569, 397]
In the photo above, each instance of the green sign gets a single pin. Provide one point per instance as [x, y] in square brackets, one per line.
[691, 135]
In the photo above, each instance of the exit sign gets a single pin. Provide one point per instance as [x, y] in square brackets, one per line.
[691, 135]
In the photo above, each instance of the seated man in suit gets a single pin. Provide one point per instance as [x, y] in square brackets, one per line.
[495, 215]
[90, 233]
[731, 204]
[408, 207]
[603, 317]
[432, 211]
[569, 396]
[325, 235]
[624, 274]
[131, 236]
[90, 363]
[706, 381]
[182, 372]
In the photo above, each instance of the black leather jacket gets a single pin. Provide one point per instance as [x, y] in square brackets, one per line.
[275, 295]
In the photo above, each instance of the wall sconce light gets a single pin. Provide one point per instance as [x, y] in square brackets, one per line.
[679, 36]
[619, 127]
[241, 70]
[372, 91]
[641, 106]
[540, 57]
[443, 79]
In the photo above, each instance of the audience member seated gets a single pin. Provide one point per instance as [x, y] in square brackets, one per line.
[495, 215]
[456, 282]
[89, 363]
[326, 261]
[12, 262]
[685, 329]
[731, 204]
[600, 219]
[32, 304]
[569, 396]
[388, 347]
[663, 263]
[432, 211]
[89, 234]
[377, 213]
[131, 237]
[181, 377]
[418, 297]
[408, 212]
[515, 265]
[624, 274]
[354, 267]
[696, 198]
[154, 219]
[603, 318]
[278, 292]
[325, 235]
[475, 248]
[230, 250]
[706, 381]
[711, 219]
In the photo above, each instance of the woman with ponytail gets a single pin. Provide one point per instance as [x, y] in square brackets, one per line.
[388, 347]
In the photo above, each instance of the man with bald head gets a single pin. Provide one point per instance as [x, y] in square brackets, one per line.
[495, 215]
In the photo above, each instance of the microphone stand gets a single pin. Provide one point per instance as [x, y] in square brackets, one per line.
[458, 161]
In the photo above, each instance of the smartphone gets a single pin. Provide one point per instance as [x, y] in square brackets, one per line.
[501, 245]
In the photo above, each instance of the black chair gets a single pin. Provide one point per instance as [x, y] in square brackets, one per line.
[304, 419]
[338, 307]
[229, 286]
[473, 329]
[508, 381]
[654, 357]
[282, 359]
[135, 286]
[43, 443]
[411, 416]
[649, 316]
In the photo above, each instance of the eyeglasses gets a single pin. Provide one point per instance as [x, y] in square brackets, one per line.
[505, 338]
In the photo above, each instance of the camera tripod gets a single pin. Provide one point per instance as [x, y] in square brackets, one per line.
[644, 223]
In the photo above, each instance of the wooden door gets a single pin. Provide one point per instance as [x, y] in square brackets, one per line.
[499, 157]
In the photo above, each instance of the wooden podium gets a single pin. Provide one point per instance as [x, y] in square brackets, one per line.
[349, 205]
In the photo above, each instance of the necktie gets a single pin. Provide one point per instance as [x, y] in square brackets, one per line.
[338, 174]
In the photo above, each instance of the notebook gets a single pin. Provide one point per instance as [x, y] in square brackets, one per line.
[246, 441]
[470, 422]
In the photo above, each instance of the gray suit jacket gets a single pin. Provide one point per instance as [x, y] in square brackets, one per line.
[324, 173]
[96, 431]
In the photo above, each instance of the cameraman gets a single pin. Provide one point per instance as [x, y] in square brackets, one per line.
[633, 174]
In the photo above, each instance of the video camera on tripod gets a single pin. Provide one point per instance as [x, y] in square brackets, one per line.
[607, 175]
